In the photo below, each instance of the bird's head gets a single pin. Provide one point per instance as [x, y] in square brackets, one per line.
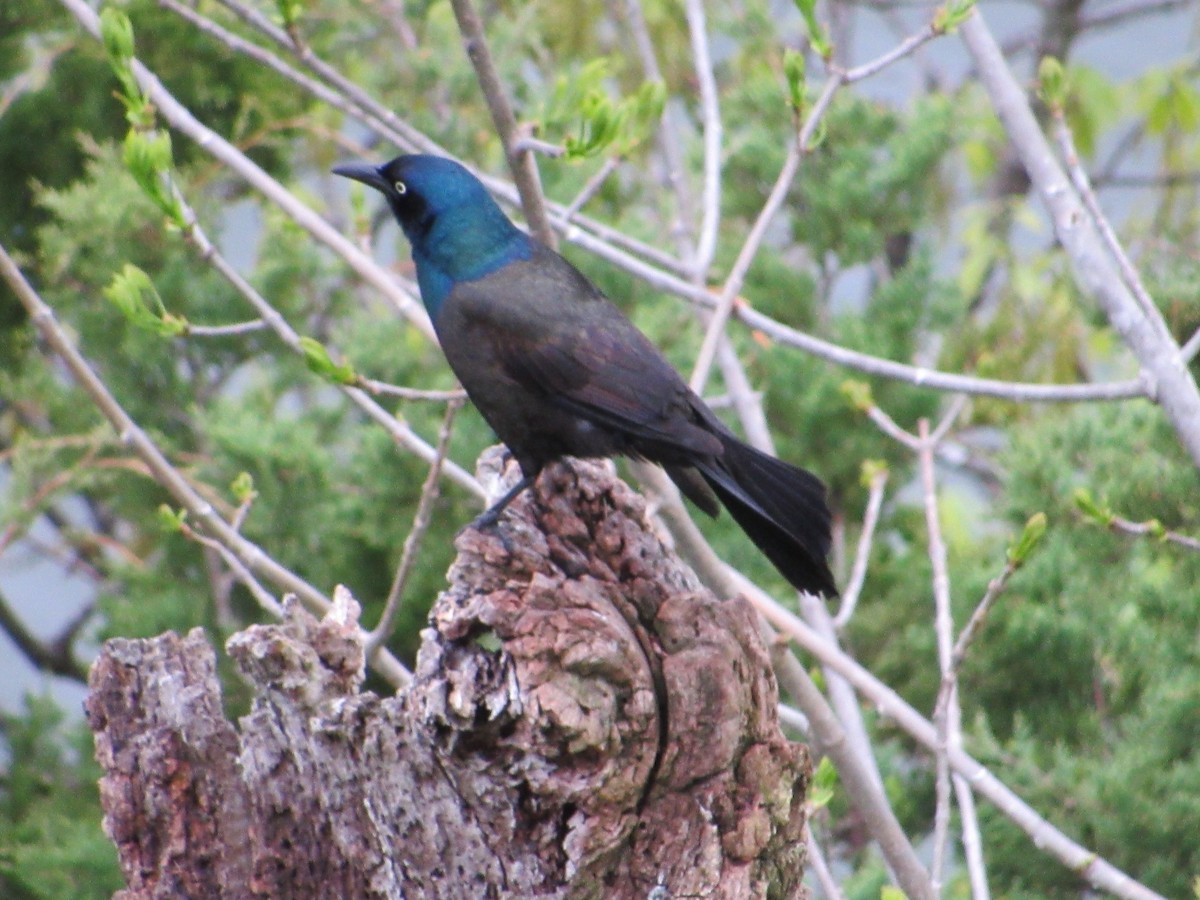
[457, 231]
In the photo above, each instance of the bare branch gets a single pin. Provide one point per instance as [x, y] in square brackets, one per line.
[1153, 528]
[994, 589]
[972, 839]
[905, 48]
[888, 426]
[521, 163]
[706, 243]
[234, 330]
[945, 717]
[412, 543]
[407, 393]
[1079, 177]
[591, 187]
[1174, 387]
[819, 867]
[237, 568]
[737, 275]
[858, 572]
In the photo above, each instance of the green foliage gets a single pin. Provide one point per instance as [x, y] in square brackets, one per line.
[51, 845]
[581, 104]
[816, 33]
[133, 293]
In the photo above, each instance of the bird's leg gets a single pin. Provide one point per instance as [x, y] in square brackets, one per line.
[491, 515]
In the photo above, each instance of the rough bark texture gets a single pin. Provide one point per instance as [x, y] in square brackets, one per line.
[585, 721]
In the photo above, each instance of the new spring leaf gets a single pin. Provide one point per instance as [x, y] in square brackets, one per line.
[318, 360]
[133, 293]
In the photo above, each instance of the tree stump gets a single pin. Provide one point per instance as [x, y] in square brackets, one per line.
[585, 721]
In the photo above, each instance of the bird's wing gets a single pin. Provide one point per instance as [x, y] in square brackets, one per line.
[586, 357]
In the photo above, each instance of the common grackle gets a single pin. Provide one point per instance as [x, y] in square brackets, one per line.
[557, 370]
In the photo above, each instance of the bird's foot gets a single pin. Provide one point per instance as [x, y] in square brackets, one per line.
[490, 516]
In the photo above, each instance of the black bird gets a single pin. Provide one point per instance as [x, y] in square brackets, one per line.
[557, 370]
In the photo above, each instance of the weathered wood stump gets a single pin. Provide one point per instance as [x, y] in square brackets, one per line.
[585, 720]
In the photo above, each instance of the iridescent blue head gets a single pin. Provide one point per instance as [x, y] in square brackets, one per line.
[457, 231]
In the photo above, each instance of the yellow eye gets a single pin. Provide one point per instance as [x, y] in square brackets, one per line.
[401, 187]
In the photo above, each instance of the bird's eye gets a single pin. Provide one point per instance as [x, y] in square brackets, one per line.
[401, 187]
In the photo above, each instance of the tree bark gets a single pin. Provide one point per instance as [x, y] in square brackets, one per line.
[585, 720]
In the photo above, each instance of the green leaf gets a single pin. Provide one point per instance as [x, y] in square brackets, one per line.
[133, 293]
[1032, 533]
[794, 70]
[116, 31]
[148, 156]
[951, 14]
[171, 520]
[318, 360]
[824, 783]
[858, 393]
[1093, 510]
[816, 34]
[289, 12]
[243, 487]
[1052, 83]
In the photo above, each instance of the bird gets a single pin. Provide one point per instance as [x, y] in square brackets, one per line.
[557, 369]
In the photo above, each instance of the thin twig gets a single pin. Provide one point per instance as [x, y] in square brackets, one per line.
[978, 616]
[1079, 178]
[237, 568]
[590, 188]
[412, 543]
[53, 657]
[858, 572]
[667, 137]
[407, 393]
[888, 426]
[819, 867]
[906, 47]
[944, 717]
[710, 113]
[972, 839]
[233, 330]
[1153, 528]
[1189, 350]
[529, 144]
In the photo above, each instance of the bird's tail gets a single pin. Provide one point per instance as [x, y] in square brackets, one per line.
[781, 508]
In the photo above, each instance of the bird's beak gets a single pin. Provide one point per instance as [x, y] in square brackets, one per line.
[363, 172]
